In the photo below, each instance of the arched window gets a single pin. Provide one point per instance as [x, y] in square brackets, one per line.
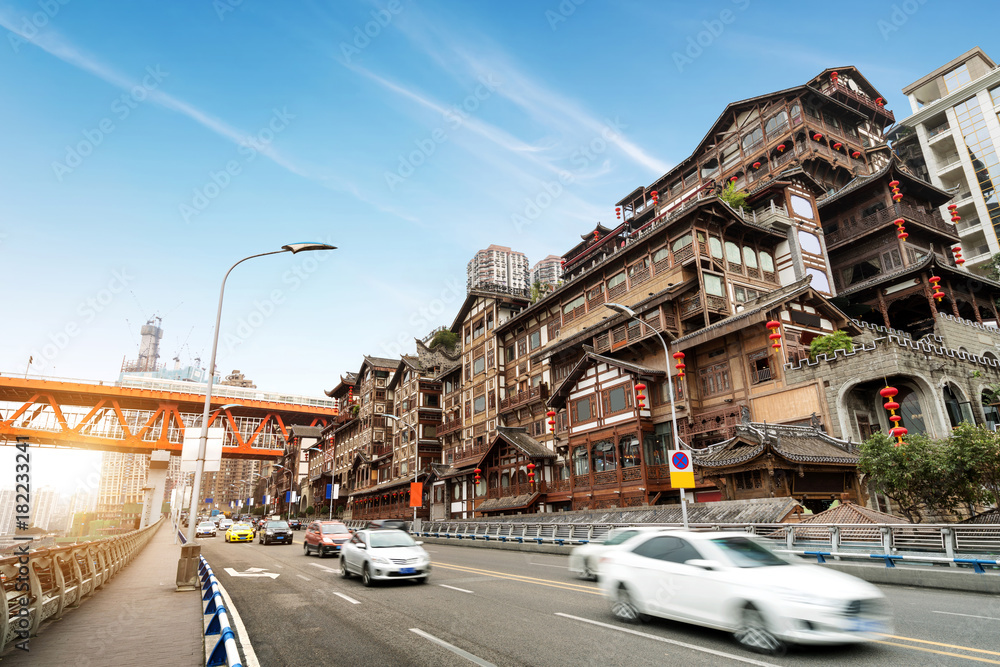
[629, 446]
[522, 478]
[494, 480]
[715, 247]
[776, 123]
[505, 480]
[750, 257]
[480, 489]
[682, 242]
[911, 411]
[766, 262]
[733, 253]
[581, 463]
[604, 456]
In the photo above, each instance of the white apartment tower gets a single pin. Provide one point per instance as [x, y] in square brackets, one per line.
[499, 266]
[548, 271]
[952, 138]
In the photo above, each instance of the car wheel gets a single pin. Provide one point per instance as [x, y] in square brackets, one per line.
[588, 571]
[366, 576]
[423, 579]
[754, 634]
[305, 548]
[624, 609]
[344, 572]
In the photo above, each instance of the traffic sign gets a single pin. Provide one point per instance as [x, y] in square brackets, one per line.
[681, 470]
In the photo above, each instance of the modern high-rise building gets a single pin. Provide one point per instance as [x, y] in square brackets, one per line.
[498, 266]
[123, 477]
[43, 509]
[548, 271]
[7, 512]
[952, 138]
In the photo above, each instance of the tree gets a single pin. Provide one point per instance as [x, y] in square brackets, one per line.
[448, 339]
[539, 289]
[310, 510]
[975, 454]
[991, 269]
[838, 340]
[735, 198]
[914, 476]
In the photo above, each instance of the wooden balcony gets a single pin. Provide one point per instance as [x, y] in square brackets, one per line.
[722, 421]
[848, 231]
[539, 393]
[449, 426]
[469, 454]
[631, 331]
[694, 305]
[841, 88]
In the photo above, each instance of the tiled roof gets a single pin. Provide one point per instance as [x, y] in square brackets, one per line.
[381, 362]
[764, 303]
[590, 357]
[508, 503]
[379, 488]
[848, 512]
[448, 369]
[520, 438]
[989, 517]
[799, 444]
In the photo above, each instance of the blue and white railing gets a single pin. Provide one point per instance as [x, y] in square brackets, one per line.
[977, 564]
[225, 653]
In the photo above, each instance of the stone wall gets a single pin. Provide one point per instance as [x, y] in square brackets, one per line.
[973, 337]
[929, 362]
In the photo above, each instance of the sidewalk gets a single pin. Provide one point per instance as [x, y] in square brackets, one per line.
[137, 618]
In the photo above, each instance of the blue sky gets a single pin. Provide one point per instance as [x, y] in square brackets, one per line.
[148, 145]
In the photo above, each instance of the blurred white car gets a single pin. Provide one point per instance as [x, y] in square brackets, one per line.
[206, 529]
[730, 581]
[384, 554]
[585, 559]
[224, 524]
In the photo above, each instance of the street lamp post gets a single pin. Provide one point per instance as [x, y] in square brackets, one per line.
[628, 312]
[203, 440]
[416, 457]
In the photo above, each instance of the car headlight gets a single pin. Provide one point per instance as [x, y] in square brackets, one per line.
[269, 532]
[380, 560]
[327, 540]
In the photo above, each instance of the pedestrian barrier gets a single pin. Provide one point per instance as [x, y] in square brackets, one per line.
[225, 653]
[954, 544]
[890, 560]
[43, 583]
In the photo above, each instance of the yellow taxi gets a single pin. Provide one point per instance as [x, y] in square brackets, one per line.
[239, 532]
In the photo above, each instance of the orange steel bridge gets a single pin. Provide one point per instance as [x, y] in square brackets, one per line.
[139, 415]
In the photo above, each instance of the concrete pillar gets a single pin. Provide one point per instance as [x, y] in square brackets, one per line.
[156, 482]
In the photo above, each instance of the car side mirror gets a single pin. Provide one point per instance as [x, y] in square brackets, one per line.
[709, 565]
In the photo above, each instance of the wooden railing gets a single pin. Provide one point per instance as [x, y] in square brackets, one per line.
[541, 392]
[448, 426]
[469, 453]
[848, 231]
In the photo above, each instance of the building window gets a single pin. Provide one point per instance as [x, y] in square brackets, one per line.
[510, 353]
[522, 347]
[957, 77]
[478, 329]
[713, 284]
[583, 410]
[715, 379]
[534, 340]
[581, 464]
[744, 294]
[617, 400]
[629, 445]
[479, 404]
[760, 366]
[478, 365]
[489, 321]
[604, 456]
[468, 335]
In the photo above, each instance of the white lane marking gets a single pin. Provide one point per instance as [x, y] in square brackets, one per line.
[276, 565]
[454, 588]
[349, 599]
[454, 649]
[241, 630]
[693, 647]
[303, 577]
[324, 567]
[565, 567]
[952, 613]
[233, 573]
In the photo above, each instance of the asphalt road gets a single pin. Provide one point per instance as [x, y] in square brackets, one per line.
[512, 608]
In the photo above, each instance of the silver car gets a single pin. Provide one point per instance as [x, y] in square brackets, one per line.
[384, 554]
[206, 529]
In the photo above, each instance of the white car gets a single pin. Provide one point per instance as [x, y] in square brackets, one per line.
[224, 524]
[206, 529]
[384, 554]
[585, 559]
[730, 581]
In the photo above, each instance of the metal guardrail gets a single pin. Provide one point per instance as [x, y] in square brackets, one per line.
[225, 653]
[56, 578]
[890, 560]
[945, 542]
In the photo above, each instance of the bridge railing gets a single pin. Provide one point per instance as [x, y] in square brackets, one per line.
[225, 652]
[42, 583]
[946, 542]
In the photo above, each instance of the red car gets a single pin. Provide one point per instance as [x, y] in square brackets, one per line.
[325, 537]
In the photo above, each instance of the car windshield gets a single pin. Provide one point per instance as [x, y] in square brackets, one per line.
[744, 552]
[240, 526]
[330, 528]
[620, 537]
[390, 538]
[206, 524]
[277, 525]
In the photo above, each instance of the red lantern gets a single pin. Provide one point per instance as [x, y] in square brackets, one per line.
[756, 165]
[897, 431]
[655, 195]
[734, 179]
[856, 154]
[893, 184]
[833, 76]
[897, 197]
[679, 356]
[955, 218]
[597, 235]
[781, 148]
[952, 207]
[531, 472]
[879, 101]
[618, 214]
[551, 414]
[817, 136]
[903, 235]
[775, 336]
[837, 146]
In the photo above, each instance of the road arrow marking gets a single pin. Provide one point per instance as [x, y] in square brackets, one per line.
[251, 573]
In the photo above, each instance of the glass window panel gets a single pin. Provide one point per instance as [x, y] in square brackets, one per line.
[733, 253]
[616, 280]
[766, 262]
[750, 257]
[682, 242]
[713, 284]
[616, 399]
[715, 247]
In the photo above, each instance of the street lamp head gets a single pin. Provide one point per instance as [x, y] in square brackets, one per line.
[302, 247]
[382, 414]
[618, 308]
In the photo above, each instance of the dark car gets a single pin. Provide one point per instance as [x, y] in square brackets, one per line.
[394, 524]
[295, 524]
[276, 531]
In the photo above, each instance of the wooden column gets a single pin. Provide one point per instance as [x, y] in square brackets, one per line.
[954, 304]
[882, 307]
[928, 293]
[975, 306]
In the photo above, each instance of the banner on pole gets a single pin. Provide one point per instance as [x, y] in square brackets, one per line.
[416, 494]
